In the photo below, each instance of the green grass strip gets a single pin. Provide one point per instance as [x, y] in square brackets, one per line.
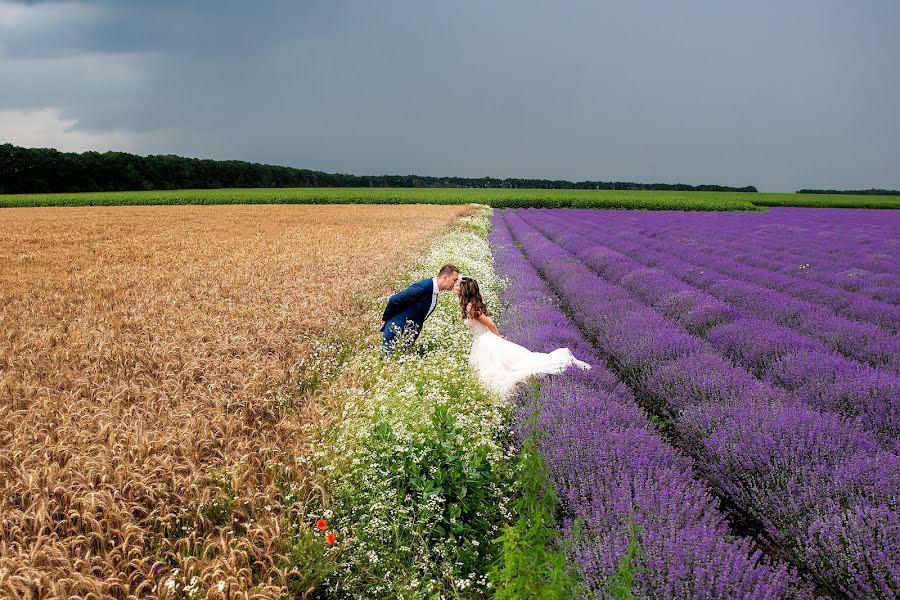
[532, 563]
[825, 200]
[497, 198]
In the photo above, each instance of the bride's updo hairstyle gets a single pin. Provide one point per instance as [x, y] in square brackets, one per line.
[470, 301]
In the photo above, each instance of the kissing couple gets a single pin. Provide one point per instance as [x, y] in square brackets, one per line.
[501, 364]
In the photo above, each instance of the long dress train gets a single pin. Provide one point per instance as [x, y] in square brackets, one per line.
[502, 364]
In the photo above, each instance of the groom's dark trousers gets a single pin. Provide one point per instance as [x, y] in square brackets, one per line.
[405, 313]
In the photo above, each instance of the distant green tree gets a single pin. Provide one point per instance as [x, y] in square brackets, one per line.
[43, 170]
[872, 192]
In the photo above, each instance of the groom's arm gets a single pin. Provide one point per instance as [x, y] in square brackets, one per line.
[401, 299]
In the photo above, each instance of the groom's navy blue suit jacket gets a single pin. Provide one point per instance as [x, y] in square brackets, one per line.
[407, 306]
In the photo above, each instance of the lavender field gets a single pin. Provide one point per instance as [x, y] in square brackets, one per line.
[742, 418]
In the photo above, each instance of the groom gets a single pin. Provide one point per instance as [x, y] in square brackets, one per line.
[407, 310]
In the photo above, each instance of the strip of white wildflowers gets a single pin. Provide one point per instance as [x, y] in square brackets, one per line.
[419, 472]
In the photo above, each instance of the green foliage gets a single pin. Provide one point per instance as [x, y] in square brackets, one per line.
[497, 198]
[309, 560]
[531, 564]
[451, 485]
[869, 192]
[827, 200]
[216, 512]
[622, 583]
[221, 506]
[422, 507]
[29, 170]
[179, 526]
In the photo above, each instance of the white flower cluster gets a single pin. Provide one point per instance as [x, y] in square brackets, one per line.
[177, 587]
[390, 545]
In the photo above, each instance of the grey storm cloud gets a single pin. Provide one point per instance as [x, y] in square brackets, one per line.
[780, 95]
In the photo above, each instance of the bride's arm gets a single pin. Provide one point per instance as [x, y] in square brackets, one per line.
[489, 323]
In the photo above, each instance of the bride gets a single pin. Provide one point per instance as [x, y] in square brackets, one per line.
[501, 364]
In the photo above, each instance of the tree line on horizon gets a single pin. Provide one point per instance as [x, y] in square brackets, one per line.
[46, 170]
[871, 192]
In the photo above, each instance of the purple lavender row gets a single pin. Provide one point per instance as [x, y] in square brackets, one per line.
[804, 254]
[863, 342]
[804, 367]
[841, 239]
[867, 342]
[801, 244]
[720, 256]
[809, 478]
[856, 306]
[609, 469]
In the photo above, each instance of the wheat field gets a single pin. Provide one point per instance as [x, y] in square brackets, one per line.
[158, 375]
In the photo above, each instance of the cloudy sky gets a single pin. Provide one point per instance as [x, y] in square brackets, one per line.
[780, 94]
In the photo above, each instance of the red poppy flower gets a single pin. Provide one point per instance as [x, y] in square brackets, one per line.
[330, 539]
[322, 524]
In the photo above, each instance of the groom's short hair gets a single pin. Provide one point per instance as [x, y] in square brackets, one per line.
[448, 269]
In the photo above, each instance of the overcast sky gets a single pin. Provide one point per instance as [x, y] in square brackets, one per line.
[781, 94]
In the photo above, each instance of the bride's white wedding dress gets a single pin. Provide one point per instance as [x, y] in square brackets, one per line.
[502, 364]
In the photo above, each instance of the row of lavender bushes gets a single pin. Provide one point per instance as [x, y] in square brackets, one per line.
[617, 480]
[823, 488]
[752, 291]
[748, 324]
[789, 271]
[844, 250]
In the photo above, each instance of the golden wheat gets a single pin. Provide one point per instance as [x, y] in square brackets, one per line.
[159, 363]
